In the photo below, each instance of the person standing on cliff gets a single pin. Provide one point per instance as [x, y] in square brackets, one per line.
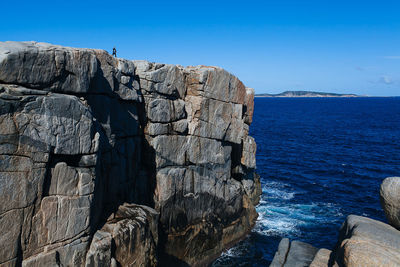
[114, 52]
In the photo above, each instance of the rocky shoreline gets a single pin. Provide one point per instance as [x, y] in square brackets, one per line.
[111, 162]
[362, 241]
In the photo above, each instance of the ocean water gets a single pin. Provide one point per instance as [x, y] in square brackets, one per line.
[320, 159]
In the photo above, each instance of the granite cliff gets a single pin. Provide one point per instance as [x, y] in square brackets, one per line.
[111, 162]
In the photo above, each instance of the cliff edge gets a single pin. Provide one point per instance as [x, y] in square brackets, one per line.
[111, 162]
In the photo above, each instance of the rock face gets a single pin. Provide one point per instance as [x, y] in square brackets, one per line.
[281, 254]
[390, 200]
[367, 242]
[132, 232]
[323, 258]
[112, 162]
[295, 253]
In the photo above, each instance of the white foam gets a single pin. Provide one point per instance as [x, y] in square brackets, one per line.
[275, 190]
[286, 218]
[278, 216]
[228, 253]
[276, 227]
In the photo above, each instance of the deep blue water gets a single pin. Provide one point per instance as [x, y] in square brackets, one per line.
[320, 159]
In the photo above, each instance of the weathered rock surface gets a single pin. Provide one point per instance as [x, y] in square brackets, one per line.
[85, 136]
[390, 200]
[295, 253]
[367, 242]
[129, 237]
[323, 258]
[362, 242]
[281, 254]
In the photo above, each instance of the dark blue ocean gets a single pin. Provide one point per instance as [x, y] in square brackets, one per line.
[320, 159]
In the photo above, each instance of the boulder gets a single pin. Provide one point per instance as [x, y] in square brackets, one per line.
[293, 254]
[390, 200]
[129, 238]
[300, 254]
[281, 254]
[323, 259]
[366, 242]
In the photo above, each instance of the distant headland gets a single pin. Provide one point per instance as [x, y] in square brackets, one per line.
[306, 94]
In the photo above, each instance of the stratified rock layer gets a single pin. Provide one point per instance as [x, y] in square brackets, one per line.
[84, 137]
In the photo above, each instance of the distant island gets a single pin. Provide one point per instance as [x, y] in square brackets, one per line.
[306, 94]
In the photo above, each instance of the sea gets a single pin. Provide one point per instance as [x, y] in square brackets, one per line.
[320, 160]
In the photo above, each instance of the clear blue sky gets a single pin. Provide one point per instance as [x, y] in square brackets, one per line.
[332, 46]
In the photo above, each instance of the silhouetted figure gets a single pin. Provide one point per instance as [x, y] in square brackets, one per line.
[114, 52]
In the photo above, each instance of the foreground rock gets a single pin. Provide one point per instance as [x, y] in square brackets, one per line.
[84, 137]
[293, 253]
[367, 242]
[390, 200]
[362, 241]
[323, 258]
[129, 237]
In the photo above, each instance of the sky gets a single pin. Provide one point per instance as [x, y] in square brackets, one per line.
[273, 46]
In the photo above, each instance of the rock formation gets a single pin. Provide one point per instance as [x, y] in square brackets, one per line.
[390, 200]
[111, 162]
[293, 253]
[362, 241]
[367, 242]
